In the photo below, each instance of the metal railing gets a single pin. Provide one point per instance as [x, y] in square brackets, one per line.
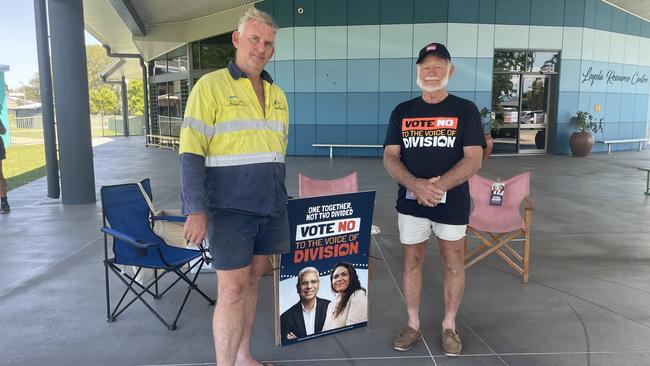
[26, 130]
[165, 132]
[169, 126]
[29, 130]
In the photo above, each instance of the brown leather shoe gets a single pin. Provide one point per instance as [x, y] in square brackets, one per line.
[407, 339]
[451, 345]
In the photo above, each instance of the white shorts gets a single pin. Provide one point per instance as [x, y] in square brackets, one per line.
[415, 230]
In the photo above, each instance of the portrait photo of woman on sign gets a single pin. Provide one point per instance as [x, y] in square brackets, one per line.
[350, 305]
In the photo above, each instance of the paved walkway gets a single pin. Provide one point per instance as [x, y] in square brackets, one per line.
[587, 303]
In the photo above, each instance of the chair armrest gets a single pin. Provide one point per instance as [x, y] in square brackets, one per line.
[528, 203]
[170, 218]
[140, 246]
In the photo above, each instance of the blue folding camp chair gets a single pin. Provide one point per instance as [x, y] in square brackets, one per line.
[135, 244]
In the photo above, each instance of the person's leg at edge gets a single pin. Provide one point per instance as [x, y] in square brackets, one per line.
[244, 356]
[3, 188]
[413, 258]
[3, 183]
[451, 255]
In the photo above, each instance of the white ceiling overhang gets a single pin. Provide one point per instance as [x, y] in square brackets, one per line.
[153, 27]
[640, 8]
[122, 67]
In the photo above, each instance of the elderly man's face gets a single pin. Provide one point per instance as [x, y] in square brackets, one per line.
[308, 286]
[255, 46]
[433, 73]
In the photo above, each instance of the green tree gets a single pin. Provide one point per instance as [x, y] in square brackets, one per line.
[33, 89]
[96, 61]
[135, 96]
[104, 100]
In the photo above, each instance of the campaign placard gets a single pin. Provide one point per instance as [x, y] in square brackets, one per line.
[324, 279]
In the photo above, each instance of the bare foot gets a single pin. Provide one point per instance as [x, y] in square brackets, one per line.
[251, 362]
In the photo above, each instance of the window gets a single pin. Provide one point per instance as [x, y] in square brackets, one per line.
[167, 107]
[510, 60]
[213, 53]
[171, 62]
[526, 61]
[545, 62]
[177, 60]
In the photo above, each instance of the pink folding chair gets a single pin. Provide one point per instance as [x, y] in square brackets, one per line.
[309, 187]
[496, 226]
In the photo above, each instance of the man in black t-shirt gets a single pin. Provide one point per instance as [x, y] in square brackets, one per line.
[434, 143]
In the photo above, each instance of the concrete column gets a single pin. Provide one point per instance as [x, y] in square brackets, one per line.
[47, 102]
[146, 101]
[125, 107]
[71, 96]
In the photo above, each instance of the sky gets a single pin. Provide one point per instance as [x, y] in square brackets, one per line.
[18, 41]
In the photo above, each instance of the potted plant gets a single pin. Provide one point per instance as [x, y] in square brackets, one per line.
[582, 140]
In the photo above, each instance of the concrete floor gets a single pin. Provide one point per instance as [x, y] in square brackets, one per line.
[587, 303]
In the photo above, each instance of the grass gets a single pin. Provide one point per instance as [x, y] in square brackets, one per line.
[33, 133]
[37, 133]
[24, 164]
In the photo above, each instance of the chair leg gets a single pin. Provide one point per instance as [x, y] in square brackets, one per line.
[108, 297]
[499, 245]
[119, 306]
[155, 278]
[130, 284]
[527, 222]
[139, 297]
[186, 279]
[526, 258]
[494, 247]
[193, 282]
[191, 286]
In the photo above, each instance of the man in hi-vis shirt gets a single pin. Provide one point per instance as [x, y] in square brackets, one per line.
[434, 143]
[233, 145]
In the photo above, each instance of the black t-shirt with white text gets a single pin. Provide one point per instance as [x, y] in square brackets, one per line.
[432, 137]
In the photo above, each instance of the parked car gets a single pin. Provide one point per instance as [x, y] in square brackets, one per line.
[529, 116]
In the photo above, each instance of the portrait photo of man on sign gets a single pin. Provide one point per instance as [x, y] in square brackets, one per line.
[307, 316]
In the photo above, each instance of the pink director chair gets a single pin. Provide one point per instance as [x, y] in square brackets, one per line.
[309, 187]
[497, 226]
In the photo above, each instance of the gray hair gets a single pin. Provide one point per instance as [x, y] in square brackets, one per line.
[307, 270]
[254, 14]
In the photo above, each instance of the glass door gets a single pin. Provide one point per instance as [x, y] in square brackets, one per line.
[505, 104]
[533, 115]
[522, 85]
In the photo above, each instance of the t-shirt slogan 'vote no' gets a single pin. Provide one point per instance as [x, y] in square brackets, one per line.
[428, 132]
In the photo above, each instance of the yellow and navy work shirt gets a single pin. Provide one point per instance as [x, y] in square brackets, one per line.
[232, 150]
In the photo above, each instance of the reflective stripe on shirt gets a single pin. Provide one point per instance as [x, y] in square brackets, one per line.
[231, 126]
[243, 159]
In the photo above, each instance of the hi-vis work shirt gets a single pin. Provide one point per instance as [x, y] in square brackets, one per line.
[232, 151]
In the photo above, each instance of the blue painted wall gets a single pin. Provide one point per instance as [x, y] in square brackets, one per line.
[345, 64]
